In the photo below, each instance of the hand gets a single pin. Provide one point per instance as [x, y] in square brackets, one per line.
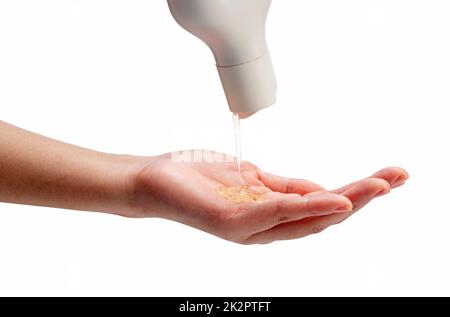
[36, 170]
[290, 208]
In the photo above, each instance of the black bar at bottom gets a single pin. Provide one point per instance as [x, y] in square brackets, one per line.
[219, 306]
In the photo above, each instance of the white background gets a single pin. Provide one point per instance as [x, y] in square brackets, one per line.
[362, 85]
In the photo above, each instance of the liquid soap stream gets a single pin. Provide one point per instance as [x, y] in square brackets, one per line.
[237, 138]
[241, 193]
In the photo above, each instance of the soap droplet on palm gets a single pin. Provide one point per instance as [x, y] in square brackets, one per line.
[239, 193]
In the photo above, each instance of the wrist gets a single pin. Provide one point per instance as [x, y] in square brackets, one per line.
[119, 179]
[128, 184]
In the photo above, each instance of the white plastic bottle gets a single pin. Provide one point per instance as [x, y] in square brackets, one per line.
[235, 32]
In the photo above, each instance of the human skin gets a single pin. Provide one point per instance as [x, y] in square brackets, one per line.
[36, 170]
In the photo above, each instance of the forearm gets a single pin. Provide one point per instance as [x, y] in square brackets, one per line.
[36, 170]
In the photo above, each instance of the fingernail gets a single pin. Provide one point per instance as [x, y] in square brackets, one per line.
[405, 174]
[398, 183]
[382, 192]
[344, 208]
[400, 180]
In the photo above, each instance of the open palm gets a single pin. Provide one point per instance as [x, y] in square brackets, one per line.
[289, 208]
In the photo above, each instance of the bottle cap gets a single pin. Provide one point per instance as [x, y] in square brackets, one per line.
[249, 87]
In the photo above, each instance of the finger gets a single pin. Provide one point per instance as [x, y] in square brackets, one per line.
[362, 192]
[285, 231]
[288, 185]
[296, 229]
[359, 193]
[280, 208]
[395, 176]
